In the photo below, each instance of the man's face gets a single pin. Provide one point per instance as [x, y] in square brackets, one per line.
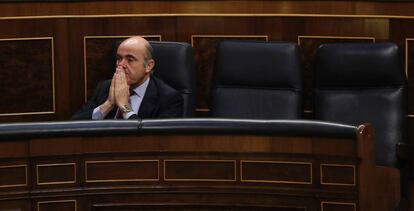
[131, 59]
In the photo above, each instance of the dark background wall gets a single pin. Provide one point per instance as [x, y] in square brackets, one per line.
[53, 54]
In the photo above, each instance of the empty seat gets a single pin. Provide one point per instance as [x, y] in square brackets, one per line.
[257, 80]
[357, 83]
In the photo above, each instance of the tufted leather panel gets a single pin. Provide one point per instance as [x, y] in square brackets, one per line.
[356, 83]
[257, 80]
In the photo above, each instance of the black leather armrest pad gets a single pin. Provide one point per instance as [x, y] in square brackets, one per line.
[177, 126]
[69, 128]
[248, 126]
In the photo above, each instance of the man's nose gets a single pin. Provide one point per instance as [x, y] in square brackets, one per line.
[121, 63]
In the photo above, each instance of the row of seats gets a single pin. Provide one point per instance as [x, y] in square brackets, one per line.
[353, 84]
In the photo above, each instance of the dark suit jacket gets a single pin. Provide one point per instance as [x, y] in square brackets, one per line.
[160, 101]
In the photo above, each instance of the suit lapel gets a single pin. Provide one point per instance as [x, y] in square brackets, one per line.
[149, 102]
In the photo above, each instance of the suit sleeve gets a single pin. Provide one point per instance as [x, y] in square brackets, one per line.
[172, 106]
[85, 113]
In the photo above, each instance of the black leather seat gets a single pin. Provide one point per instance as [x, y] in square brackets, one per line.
[257, 80]
[357, 83]
[174, 64]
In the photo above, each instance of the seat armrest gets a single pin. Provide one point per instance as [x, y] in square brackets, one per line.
[404, 151]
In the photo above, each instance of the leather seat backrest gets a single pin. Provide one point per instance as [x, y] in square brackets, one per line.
[358, 83]
[257, 80]
[174, 64]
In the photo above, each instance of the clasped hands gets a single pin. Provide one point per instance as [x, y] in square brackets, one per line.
[118, 92]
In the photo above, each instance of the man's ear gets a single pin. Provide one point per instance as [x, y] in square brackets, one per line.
[150, 65]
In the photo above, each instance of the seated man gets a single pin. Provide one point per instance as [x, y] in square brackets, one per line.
[133, 92]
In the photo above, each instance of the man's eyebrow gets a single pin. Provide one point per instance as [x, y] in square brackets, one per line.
[129, 56]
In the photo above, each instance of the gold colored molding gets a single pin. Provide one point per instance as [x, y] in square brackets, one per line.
[230, 36]
[406, 55]
[203, 109]
[28, 113]
[203, 180]
[56, 201]
[333, 37]
[338, 203]
[121, 161]
[25, 175]
[131, 15]
[276, 181]
[55, 164]
[53, 77]
[337, 165]
[85, 71]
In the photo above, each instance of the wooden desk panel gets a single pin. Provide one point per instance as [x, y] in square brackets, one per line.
[198, 171]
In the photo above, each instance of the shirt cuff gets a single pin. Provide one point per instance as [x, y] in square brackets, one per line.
[97, 114]
[127, 115]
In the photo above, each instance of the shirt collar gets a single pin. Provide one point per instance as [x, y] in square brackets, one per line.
[140, 90]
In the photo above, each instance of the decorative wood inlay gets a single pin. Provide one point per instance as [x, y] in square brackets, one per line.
[57, 173]
[127, 170]
[409, 71]
[100, 58]
[408, 50]
[204, 55]
[200, 170]
[194, 206]
[13, 176]
[338, 174]
[336, 206]
[61, 205]
[169, 14]
[308, 46]
[276, 172]
[28, 84]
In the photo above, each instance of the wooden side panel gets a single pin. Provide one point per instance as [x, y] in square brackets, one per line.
[62, 205]
[27, 76]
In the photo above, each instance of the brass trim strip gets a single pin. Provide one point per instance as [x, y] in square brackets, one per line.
[57, 201]
[121, 161]
[55, 164]
[205, 180]
[339, 203]
[26, 38]
[85, 71]
[406, 55]
[203, 109]
[334, 183]
[25, 175]
[333, 37]
[53, 77]
[28, 113]
[249, 36]
[318, 15]
[276, 181]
